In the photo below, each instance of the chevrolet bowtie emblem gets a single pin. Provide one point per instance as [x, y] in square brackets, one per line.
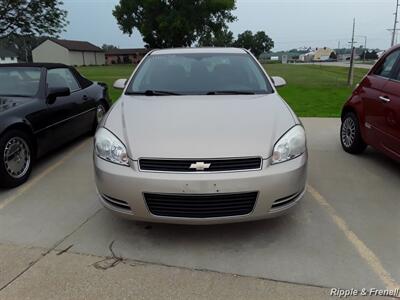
[200, 166]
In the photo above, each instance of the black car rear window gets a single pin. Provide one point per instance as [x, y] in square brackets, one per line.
[19, 82]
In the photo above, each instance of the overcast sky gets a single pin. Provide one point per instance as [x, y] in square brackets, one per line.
[290, 23]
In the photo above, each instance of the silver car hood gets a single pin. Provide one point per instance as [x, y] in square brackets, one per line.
[200, 126]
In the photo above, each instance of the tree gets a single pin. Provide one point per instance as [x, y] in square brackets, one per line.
[22, 45]
[369, 54]
[245, 40]
[107, 47]
[223, 38]
[257, 43]
[31, 17]
[173, 23]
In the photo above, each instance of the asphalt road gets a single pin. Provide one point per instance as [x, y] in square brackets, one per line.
[344, 234]
[340, 64]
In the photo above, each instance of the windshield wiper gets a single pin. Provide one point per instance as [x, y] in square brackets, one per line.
[231, 93]
[154, 93]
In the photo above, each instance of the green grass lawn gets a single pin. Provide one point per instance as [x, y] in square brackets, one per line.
[108, 74]
[315, 91]
[312, 90]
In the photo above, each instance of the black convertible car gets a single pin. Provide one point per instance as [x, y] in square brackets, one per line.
[43, 106]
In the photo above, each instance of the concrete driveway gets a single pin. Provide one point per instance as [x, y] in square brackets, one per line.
[57, 241]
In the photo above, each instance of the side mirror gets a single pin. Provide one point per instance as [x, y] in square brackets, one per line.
[120, 84]
[55, 92]
[278, 81]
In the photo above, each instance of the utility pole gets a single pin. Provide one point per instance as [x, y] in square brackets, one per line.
[395, 23]
[351, 70]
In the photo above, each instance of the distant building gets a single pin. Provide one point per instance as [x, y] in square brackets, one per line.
[307, 57]
[324, 54]
[278, 56]
[73, 53]
[7, 57]
[344, 54]
[380, 53]
[125, 56]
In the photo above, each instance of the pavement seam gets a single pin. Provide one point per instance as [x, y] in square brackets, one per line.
[49, 250]
[31, 183]
[133, 263]
[143, 262]
[366, 254]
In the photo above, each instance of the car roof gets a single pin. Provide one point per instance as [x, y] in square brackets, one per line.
[35, 65]
[199, 50]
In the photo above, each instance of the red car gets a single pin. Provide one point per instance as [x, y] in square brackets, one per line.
[372, 115]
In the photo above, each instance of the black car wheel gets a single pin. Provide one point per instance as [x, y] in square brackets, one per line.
[350, 134]
[101, 110]
[15, 158]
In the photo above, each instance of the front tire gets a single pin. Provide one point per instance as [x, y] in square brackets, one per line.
[350, 134]
[16, 158]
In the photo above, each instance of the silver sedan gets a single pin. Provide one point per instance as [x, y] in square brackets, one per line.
[200, 136]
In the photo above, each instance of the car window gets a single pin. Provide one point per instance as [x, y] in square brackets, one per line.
[398, 73]
[62, 78]
[386, 68]
[19, 81]
[199, 73]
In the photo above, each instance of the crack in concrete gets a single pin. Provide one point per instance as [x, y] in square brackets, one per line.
[110, 261]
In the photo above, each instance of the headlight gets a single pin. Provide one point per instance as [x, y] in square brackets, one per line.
[291, 145]
[110, 148]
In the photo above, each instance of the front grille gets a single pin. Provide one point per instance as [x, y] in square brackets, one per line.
[201, 206]
[214, 165]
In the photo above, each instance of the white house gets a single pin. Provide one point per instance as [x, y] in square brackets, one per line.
[72, 53]
[7, 57]
[307, 57]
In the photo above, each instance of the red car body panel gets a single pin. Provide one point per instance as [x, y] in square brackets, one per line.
[376, 101]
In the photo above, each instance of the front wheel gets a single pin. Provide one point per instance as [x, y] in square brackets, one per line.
[15, 158]
[350, 134]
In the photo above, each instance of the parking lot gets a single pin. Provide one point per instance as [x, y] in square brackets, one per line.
[344, 234]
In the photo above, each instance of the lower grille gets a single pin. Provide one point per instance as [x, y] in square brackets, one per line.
[200, 165]
[201, 206]
[116, 203]
[284, 201]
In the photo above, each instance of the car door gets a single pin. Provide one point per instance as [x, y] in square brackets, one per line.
[67, 113]
[391, 113]
[375, 99]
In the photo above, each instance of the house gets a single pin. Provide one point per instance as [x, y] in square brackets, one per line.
[345, 54]
[8, 57]
[72, 53]
[307, 57]
[125, 56]
[288, 56]
[324, 54]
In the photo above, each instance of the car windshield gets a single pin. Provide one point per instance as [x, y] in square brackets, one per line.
[199, 74]
[19, 81]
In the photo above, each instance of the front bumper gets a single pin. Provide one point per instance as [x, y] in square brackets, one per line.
[273, 182]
